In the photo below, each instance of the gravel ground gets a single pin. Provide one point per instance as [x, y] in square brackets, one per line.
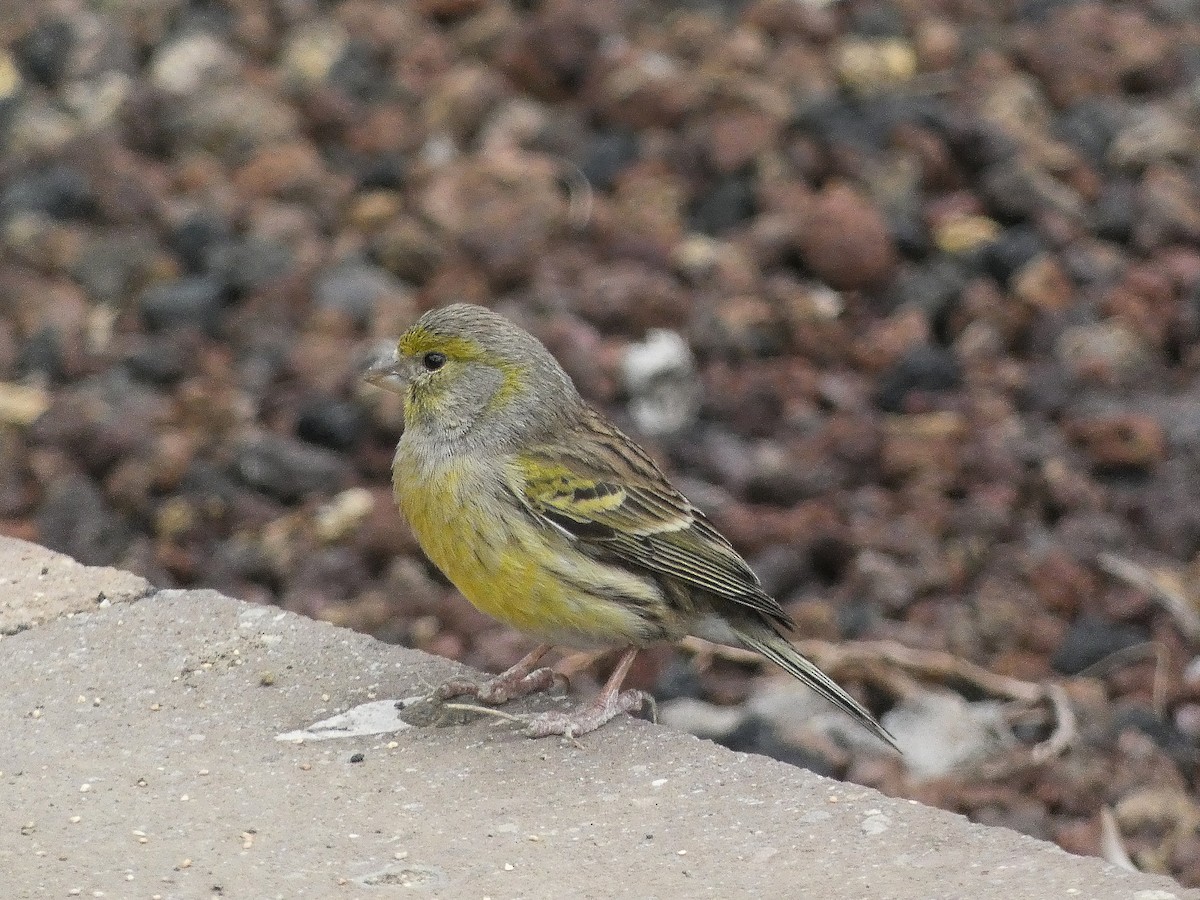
[906, 295]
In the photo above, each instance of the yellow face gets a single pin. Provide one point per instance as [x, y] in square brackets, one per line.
[439, 374]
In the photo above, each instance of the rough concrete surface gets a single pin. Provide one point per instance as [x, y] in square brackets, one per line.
[142, 761]
[37, 585]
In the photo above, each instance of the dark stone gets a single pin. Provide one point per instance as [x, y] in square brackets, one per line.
[324, 576]
[782, 569]
[1090, 126]
[1115, 210]
[1091, 639]
[158, 359]
[353, 289]
[924, 369]
[213, 487]
[1011, 251]
[250, 262]
[729, 202]
[1168, 506]
[838, 123]
[45, 51]
[1009, 190]
[331, 423]
[360, 73]
[607, 155]
[288, 469]
[678, 679]
[148, 120]
[1188, 55]
[829, 560]
[856, 618]
[1163, 732]
[934, 287]
[815, 478]
[196, 236]
[908, 230]
[202, 16]
[193, 301]
[1039, 11]
[1185, 329]
[42, 354]
[75, 519]
[59, 191]
[877, 20]
[384, 172]
[1048, 390]
[890, 109]
[976, 144]
[113, 266]
[757, 736]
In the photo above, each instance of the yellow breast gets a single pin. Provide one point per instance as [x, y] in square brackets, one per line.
[507, 565]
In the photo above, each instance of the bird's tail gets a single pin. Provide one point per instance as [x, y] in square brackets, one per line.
[779, 650]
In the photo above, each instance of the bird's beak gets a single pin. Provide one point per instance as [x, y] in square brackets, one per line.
[386, 372]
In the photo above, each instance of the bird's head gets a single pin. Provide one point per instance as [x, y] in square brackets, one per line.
[465, 370]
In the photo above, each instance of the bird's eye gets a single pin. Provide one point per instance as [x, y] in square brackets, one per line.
[432, 361]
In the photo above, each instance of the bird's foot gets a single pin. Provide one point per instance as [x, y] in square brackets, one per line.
[588, 718]
[498, 690]
[518, 680]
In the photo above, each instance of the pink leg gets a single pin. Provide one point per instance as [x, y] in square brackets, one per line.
[610, 702]
[517, 681]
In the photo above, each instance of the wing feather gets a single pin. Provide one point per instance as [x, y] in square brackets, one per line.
[607, 494]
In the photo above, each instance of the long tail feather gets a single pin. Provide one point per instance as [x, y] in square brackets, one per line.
[779, 651]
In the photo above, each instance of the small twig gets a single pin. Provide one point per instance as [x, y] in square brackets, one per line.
[708, 650]
[483, 710]
[925, 662]
[1066, 728]
[570, 666]
[1112, 848]
[1137, 653]
[946, 665]
[653, 709]
[580, 195]
[929, 664]
[1158, 696]
[1106, 665]
[1163, 587]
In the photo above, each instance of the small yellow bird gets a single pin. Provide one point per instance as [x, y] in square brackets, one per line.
[548, 518]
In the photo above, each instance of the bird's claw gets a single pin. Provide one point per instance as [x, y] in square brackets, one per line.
[499, 690]
[575, 724]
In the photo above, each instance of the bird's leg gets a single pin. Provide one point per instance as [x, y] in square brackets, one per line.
[517, 681]
[610, 702]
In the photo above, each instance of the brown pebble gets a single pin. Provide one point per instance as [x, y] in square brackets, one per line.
[845, 240]
[1062, 584]
[1128, 440]
[1043, 284]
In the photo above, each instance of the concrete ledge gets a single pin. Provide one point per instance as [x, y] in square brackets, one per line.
[142, 760]
[38, 585]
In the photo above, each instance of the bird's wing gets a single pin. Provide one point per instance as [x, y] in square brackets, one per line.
[607, 494]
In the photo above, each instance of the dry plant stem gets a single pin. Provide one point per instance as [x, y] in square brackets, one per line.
[1112, 848]
[484, 711]
[1164, 587]
[1129, 655]
[932, 664]
[1066, 728]
[580, 196]
[1158, 699]
[572, 665]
